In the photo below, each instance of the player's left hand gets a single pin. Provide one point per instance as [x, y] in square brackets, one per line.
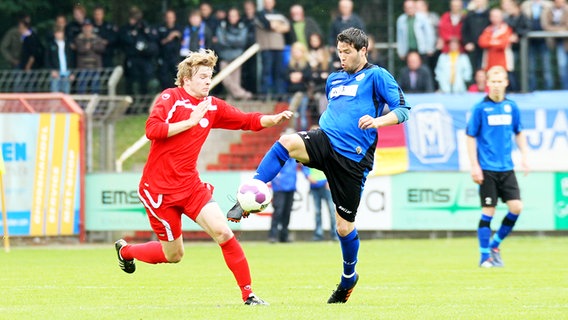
[276, 119]
[367, 122]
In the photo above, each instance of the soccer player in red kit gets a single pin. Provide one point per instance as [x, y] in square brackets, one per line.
[170, 186]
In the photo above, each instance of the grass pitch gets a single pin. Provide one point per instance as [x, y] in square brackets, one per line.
[400, 279]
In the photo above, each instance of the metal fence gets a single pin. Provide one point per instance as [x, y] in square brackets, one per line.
[82, 81]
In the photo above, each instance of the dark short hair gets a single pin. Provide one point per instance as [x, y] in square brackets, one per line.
[355, 37]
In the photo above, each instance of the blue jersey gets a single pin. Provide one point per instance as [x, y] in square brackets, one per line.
[493, 125]
[352, 96]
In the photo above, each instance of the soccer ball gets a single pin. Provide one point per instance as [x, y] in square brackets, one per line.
[254, 195]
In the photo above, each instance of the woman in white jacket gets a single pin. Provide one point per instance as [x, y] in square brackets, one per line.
[453, 69]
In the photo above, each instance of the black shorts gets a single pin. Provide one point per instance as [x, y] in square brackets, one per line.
[346, 177]
[498, 185]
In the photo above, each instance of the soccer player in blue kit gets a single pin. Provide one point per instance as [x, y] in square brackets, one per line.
[344, 145]
[489, 134]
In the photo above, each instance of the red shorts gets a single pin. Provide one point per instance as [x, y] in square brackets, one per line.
[165, 210]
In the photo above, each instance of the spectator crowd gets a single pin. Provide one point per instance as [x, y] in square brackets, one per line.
[440, 52]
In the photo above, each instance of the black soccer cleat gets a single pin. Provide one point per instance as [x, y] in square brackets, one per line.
[127, 266]
[253, 300]
[236, 213]
[341, 295]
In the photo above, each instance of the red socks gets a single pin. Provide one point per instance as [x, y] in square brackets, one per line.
[149, 252]
[237, 262]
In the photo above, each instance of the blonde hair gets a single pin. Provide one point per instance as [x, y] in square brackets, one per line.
[301, 62]
[189, 66]
[496, 70]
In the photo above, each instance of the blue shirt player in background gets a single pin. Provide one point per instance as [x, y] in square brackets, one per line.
[344, 146]
[490, 130]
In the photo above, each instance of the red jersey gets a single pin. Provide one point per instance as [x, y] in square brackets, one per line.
[172, 162]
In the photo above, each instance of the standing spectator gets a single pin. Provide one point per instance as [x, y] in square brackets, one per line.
[414, 33]
[108, 32]
[555, 19]
[450, 26]
[373, 54]
[169, 36]
[57, 60]
[140, 44]
[538, 49]
[89, 48]
[299, 81]
[74, 27]
[31, 57]
[284, 187]
[232, 40]
[272, 26]
[11, 45]
[60, 21]
[319, 189]
[496, 42]
[196, 35]
[320, 63]
[208, 16]
[480, 82]
[302, 26]
[415, 77]
[521, 25]
[493, 124]
[453, 69]
[476, 20]
[249, 74]
[422, 6]
[345, 19]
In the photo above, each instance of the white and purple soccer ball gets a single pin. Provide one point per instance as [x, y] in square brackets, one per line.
[254, 195]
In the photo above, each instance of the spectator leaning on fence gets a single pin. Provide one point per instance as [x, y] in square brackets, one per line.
[496, 42]
[555, 19]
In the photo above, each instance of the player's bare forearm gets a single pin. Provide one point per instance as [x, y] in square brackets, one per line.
[521, 141]
[271, 120]
[476, 172]
[367, 122]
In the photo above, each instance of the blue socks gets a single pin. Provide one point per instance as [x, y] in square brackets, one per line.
[483, 235]
[349, 248]
[272, 163]
[506, 228]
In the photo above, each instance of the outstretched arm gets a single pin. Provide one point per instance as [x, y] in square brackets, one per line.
[268, 121]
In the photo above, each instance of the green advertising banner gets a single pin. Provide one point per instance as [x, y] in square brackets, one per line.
[112, 200]
[450, 201]
[561, 200]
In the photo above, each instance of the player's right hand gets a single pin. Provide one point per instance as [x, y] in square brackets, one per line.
[199, 111]
[477, 175]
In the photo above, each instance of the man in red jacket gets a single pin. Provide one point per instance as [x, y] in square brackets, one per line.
[178, 125]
